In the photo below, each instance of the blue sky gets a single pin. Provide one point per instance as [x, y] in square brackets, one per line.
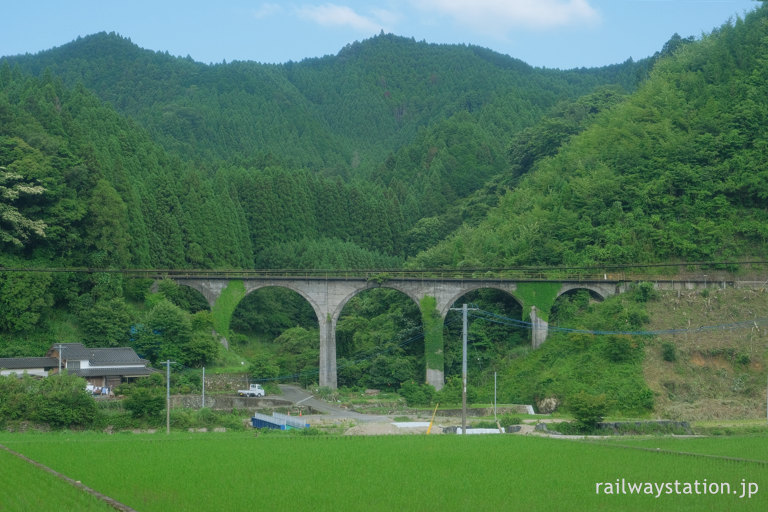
[548, 33]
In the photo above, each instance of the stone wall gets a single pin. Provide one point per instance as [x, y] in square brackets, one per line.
[227, 402]
[652, 426]
[228, 382]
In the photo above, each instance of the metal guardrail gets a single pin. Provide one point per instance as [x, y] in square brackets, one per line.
[290, 421]
[277, 421]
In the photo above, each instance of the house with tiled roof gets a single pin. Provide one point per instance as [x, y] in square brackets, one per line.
[101, 367]
[35, 366]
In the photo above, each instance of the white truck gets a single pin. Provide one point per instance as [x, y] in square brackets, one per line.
[253, 390]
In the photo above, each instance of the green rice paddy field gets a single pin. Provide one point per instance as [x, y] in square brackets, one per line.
[240, 471]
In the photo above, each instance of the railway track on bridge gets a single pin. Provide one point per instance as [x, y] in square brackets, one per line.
[671, 272]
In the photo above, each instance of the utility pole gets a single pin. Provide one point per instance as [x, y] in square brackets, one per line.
[60, 347]
[464, 310]
[203, 386]
[494, 398]
[464, 370]
[168, 364]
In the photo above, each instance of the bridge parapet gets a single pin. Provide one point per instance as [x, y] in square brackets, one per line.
[329, 294]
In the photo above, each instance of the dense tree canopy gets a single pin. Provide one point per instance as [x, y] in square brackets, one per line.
[674, 172]
[391, 153]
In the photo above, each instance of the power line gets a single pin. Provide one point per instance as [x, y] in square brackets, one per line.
[361, 359]
[513, 322]
[503, 320]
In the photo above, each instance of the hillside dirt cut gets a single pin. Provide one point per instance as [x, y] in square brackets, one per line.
[716, 369]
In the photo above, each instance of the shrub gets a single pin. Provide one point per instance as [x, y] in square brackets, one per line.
[326, 393]
[263, 366]
[568, 428]
[644, 292]
[587, 409]
[668, 352]
[483, 424]
[59, 401]
[186, 382]
[620, 348]
[13, 398]
[206, 417]
[416, 394]
[451, 392]
[182, 418]
[145, 403]
[509, 419]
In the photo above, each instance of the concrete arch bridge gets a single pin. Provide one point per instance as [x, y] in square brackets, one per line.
[328, 294]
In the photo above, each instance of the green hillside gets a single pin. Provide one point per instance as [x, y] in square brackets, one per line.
[675, 172]
[392, 153]
[239, 164]
[334, 114]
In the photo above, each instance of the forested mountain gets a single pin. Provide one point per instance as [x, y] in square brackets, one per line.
[391, 153]
[331, 113]
[109, 195]
[340, 161]
[675, 172]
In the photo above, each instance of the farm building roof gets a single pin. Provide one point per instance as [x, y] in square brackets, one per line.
[107, 372]
[21, 363]
[98, 356]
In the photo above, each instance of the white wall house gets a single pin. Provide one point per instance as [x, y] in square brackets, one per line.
[101, 367]
[35, 366]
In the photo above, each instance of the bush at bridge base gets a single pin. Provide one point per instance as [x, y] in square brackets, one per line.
[570, 363]
[417, 394]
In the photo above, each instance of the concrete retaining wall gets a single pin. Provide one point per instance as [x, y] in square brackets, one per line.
[488, 411]
[221, 402]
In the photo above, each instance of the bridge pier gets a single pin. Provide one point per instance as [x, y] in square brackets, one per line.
[539, 329]
[328, 296]
[327, 372]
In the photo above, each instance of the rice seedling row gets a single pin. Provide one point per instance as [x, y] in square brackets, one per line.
[242, 472]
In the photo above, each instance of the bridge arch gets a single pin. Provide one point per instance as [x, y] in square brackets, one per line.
[370, 286]
[261, 303]
[476, 287]
[602, 290]
[485, 338]
[183, 295]
[328, 295]
[196, 286]
[378, 332]
[251, 287]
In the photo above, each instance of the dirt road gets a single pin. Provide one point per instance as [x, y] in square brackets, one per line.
[301, 397]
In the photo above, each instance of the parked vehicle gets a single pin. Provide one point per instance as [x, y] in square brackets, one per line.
[253, 390]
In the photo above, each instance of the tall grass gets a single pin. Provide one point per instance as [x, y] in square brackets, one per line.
[242, 472]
